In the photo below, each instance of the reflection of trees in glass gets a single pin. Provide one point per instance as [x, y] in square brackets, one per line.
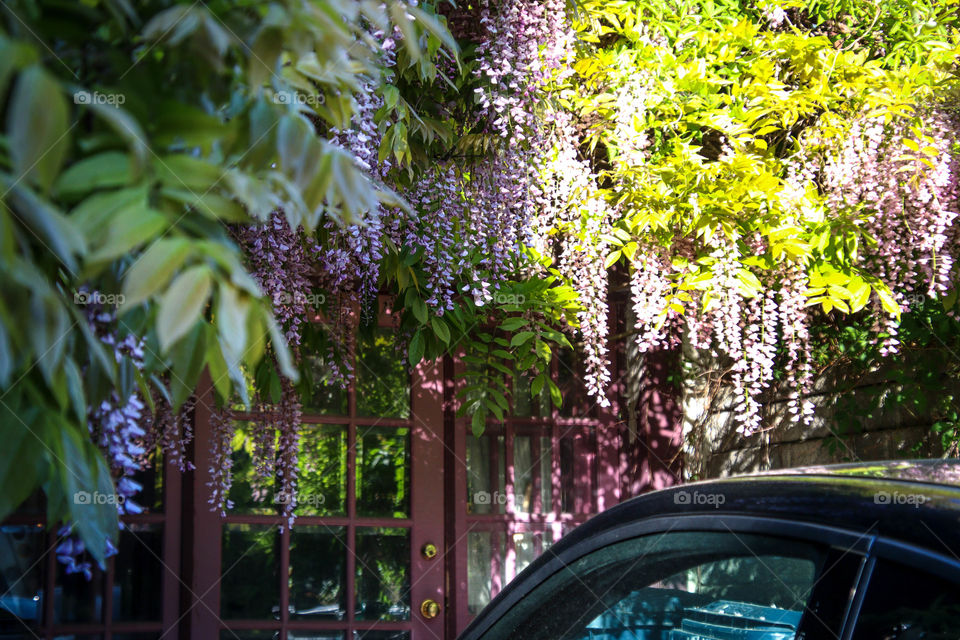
[383, 472]
[250, 492]
[773, 581]
[250, 585]
[317, 572]
[318, 392]
[322, 469]
[383, 380]
[382, 579]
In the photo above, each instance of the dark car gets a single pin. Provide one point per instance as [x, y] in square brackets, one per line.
[851, 552]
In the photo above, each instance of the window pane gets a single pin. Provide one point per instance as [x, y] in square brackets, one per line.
[21, 578]
[904, 603]
[381, 635]
[570, 381]
[677, 585]
[249, 634]
[383, 471]
[252, 488]
[156, 635]
[318, 564]
[76, 599]
[250, 584]
[319, 393]
[150, 478]
[529, 546]
[138, 578]
[383, 381]
[526, 406]
[546, 473]
[383, 574]
[576, 473]
[485, 492]
[322, 478]
[485, 568]
[315, 635]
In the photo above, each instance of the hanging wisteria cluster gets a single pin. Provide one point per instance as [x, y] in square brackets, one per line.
[910, 200]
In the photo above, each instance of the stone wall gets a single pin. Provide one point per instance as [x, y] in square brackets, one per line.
[713, 448]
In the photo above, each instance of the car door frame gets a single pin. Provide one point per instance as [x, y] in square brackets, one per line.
[552, 562]
[886, 548]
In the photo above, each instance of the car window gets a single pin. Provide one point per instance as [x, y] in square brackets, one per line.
[905, 603]
[673, 586]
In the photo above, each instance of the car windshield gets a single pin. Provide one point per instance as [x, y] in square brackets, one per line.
[672, 586]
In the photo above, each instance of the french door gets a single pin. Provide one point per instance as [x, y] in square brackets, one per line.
[365, 556]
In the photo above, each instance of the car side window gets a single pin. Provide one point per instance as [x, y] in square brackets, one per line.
[673, 586]
[905, 603]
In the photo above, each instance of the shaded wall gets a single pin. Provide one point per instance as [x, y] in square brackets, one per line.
[848, 425]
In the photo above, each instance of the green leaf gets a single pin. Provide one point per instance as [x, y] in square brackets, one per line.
[219, 371]
[887, 301]
[109, 169]
[281, 350]
[187, 358]
[88, 487]
[478, 422]
[537, 385]
[521, 338]
[37, 128]
[612, 259]
[182, 305]
[210, 205]
[153, 269]
[129, 131]
[431, 24]
[419, 309]
[512, 324]
[555, 393]
[440, 329]
[415, 351]
[130, 227]
[18, 480]
[54, 230]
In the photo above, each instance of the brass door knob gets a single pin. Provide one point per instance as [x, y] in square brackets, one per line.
[429, 551]
[429, 609]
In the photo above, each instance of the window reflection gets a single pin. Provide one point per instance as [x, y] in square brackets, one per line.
[252, 490]
[250, 583]
[322, 476]
[138, 576]
[76, 599]
[383, 380]
[486, 493]
[21, 578]
[318, 573]
[383, 574]
[320, 394]
[485, 572]
[383, 472]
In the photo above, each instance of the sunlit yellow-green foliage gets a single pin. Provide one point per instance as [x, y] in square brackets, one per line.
[701, 115]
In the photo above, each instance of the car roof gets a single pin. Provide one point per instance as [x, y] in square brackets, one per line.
[938, 471]
[913, 502]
